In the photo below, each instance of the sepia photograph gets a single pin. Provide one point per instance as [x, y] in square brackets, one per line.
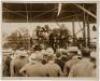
[49, 40]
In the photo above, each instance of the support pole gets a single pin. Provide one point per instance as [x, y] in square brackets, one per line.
[73, 29]
[84, 34]
[28, 36]
[88, 33]
[84, 31]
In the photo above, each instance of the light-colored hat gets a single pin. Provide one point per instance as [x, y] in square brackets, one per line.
[49, 52]
[61, 50]
[43, 52]
[76, 57]
[35, 57]
[93, 55]
[32, 58]
[72, 49]
[7, 52]
[21, 53]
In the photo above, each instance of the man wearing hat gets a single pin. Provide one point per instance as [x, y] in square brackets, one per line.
[84, 67]
[74, 58]
[6, 62]
[34, 68]
[52, 69]
[43, 52]
[19, 60]
[61, 57]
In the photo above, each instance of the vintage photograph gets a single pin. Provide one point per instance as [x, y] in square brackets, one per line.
[49, 39]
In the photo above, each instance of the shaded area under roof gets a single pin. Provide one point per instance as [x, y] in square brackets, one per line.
[46, 12]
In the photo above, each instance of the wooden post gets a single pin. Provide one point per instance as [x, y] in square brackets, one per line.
[88, 33]
[73, 29]
[84, 31]
[84, 34]
[28, 36]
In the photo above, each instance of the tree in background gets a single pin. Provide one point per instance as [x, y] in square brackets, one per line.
[59, 38]
[18, 39]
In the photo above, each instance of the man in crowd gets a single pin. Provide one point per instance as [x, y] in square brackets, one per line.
[18, 61]
[84, 67]
[73, 59]
[34, 68]
[6, 65]
[52, 69]
[6, 62]
[61, 57]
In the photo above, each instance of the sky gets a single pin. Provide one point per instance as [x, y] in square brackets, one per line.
[8, 28]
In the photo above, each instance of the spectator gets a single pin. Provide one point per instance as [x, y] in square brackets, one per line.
[34, 67]
[83, 68]
[52, 69]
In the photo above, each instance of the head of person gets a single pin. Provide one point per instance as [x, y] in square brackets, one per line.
[72, 51]
[62, 53]
[21, 49]
[85, 52]
[42, 46]
[37, 48]
[50, 58]
[93, 48]
[93, 58]
[64, 58]
[35, 58]
[43, 52]
[20, 54]
[59, 52]
[46, 27]
[50, 54]
[58, 55]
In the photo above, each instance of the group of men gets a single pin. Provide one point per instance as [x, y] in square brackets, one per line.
[70, 62]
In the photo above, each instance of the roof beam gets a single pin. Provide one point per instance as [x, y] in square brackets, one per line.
[14, 12]
[85, 10]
